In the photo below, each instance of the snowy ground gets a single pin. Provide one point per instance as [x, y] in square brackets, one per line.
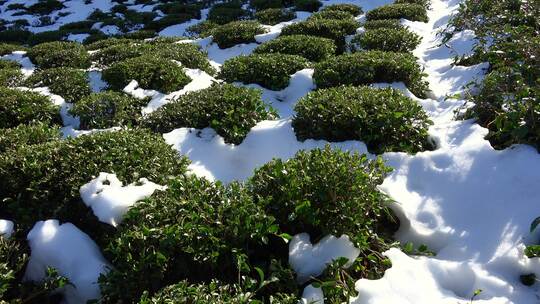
[469, 203]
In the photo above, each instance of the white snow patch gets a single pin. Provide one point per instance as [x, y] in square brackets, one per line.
[312, 295]
[110, 200]
[72, 253]
[310, 260]
[6, 228]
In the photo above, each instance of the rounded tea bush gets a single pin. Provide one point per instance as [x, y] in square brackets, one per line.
[23, 107]
[382, 23]
[230, 110]
[316, 190]
[101, 44]
[271, 71]
[265, 4]
[371, 67]
[117, 52]
[59, 54]
[223, 13]
[385, 119]
[307, 5]
[202, 29]
[196, 230]
[27, 134]
[151, 72]
[273, 16]
[388, 39]
[236, 32]
[339, 15]
[43, 180]
[413, 12]
[71, 84]
[310, 47]
[11, 77]
[352, 9]
[326, 28]
[108, 109]
[7, 48]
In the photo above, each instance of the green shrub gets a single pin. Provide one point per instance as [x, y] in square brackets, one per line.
[388, 39]
[424, 3]
[271, 71]
[413, 12]
[22, 107]
[32, 134]
[382, 23]
[272, 16]
[265, 4]
[14, 36]
[352, 9]
[339, 15]
[236, 32]
[9, 64]
[119, 52]
[202, 29]
[44, 7]
[223, 13]
[108, 109]
[326, 28]
[194, 230]
[151, 72]
[109, 42]
[189, 54]
[166, 21]
[59, 54]
[10, 74]
[79, 26]
[307, 5]
[43, 181]
[317, 189]
[46, 36]
[71, 84]
[213, 292]
[371, 67]
[140, 34]
[231, 111]
[310, 47]
[193, 10]
[385, 119]
[6, 48]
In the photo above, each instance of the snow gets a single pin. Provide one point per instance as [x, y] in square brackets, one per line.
[110, 200]
[72, 253]
[310, 260]
[312, 295]
[6, 228]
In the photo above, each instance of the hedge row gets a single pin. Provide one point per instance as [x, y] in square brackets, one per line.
[413, 12]
[385, 119]
[42, 180]
[271, 71]
[388, 39]
[23, 107]
[310, 47]
[272, 16]
[71, 84]
[236, 32]
[371, 67]
[59, 54]
[231, 111]
[27, 134]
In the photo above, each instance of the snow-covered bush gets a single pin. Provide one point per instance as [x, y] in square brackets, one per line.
[370, 67]
[387, 39]
[310, 47]
[59, 54]
[213, 292]
[151, 72]
[108, 109]
[195, 230]
[236, 32]
[71, 84]
[317, 189]
[43, 180]
[22, 107]
[223, 13]
[413, 12]
[230, 110]
[27, 134]
[307, 5]
[384, 119]
[272, 16]
[382, 23]
[354, 10]
[327, 28]
[271, 71]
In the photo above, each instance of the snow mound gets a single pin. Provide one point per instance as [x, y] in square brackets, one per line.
[6, 228]
[110, 200]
